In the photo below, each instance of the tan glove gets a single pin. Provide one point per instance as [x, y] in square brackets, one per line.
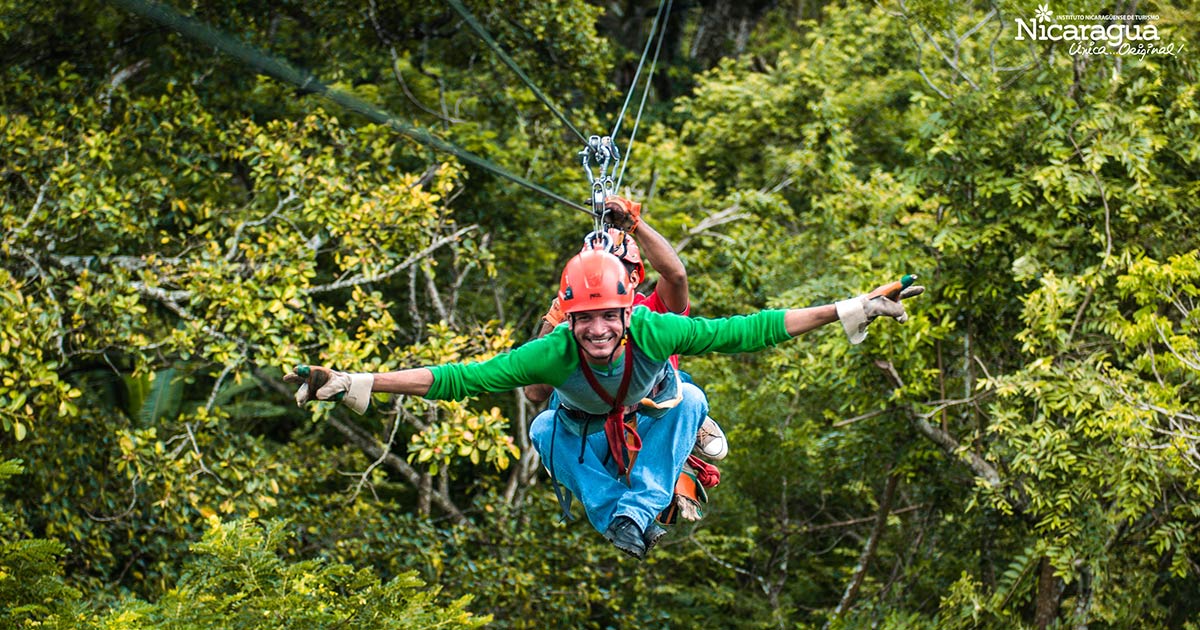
[623, 214]
[321, 383]
[858, 312]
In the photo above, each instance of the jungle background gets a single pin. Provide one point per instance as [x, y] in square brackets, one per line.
[178, 231]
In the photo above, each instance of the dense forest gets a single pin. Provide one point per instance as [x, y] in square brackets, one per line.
[180, 229]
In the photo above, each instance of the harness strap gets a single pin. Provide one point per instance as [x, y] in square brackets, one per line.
[562, 494]
[622, 437]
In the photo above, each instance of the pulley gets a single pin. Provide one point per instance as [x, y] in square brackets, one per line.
[601, 152]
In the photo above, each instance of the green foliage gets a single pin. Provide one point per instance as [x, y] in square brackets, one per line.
[476, 437]
[1022, 200]
[32, 590]
[178, 232]
[27, 326]
[238, 579]
[161, 401]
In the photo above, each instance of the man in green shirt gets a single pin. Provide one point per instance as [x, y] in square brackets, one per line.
[630, 239]
[619, 458]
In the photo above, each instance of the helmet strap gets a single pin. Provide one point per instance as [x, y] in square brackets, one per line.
[624, 334]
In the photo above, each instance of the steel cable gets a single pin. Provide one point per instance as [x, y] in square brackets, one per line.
[645, 92]
[305, 81]
[483, 34]
[638, 73]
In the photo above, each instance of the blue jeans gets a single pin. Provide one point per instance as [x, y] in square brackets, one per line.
[666, 444]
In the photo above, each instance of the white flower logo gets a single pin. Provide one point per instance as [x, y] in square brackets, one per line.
[1043, 12]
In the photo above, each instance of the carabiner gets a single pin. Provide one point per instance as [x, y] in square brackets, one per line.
[600, 236]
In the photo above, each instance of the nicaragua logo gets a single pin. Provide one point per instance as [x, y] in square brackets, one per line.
[1097, 34]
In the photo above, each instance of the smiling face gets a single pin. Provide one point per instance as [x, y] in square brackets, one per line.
[599, 333]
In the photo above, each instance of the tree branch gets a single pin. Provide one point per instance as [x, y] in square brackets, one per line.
[987, 18]
[920, 422]
[868, 552]
[81, 263]
[212, 396]
[129, 510]
[865, 416]
[1100, 187]
[762, 582]
[120, 77]
[921, 64]
[411, 260]
[950, 62]
[435, 296]
[526, 469]
[37, 204]
[386, 449]
[1191, 364]
[372, 14]
[812, 529]
[373, 449]
[200, 456]
[237, 232]
[716, 219]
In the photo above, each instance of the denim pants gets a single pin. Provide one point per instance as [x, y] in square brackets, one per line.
[666, 443]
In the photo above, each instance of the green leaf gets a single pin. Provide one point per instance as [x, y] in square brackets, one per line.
[163, 399]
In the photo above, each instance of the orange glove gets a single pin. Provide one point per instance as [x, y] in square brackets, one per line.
[623, 213]
[555, 315]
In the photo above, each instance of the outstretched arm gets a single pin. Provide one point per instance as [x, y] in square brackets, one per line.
[854, 313]
[354, 389]
[553, 317]
[414, 382]
[801, 320]
[661, 335]
[539, 361]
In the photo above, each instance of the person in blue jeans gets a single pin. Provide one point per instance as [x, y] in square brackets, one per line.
[619, 456]
[631, 238]
[580, 458]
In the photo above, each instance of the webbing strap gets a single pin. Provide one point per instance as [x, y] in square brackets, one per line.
[707, 474]
[562, 494]
[622, 438]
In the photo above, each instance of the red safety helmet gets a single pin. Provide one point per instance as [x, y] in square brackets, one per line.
[621, 245]
[594, 280]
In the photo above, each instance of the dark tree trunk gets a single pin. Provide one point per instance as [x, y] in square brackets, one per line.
[1049, 595]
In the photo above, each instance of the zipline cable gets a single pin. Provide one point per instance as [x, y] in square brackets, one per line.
[284, 71]
[588, 142]
[483, 34]
[645, 93]
[603, 151]
[638, 73]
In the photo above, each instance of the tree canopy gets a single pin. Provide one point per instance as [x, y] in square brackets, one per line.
[179, 230]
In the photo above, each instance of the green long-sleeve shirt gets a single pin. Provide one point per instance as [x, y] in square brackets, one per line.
[554, 360]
